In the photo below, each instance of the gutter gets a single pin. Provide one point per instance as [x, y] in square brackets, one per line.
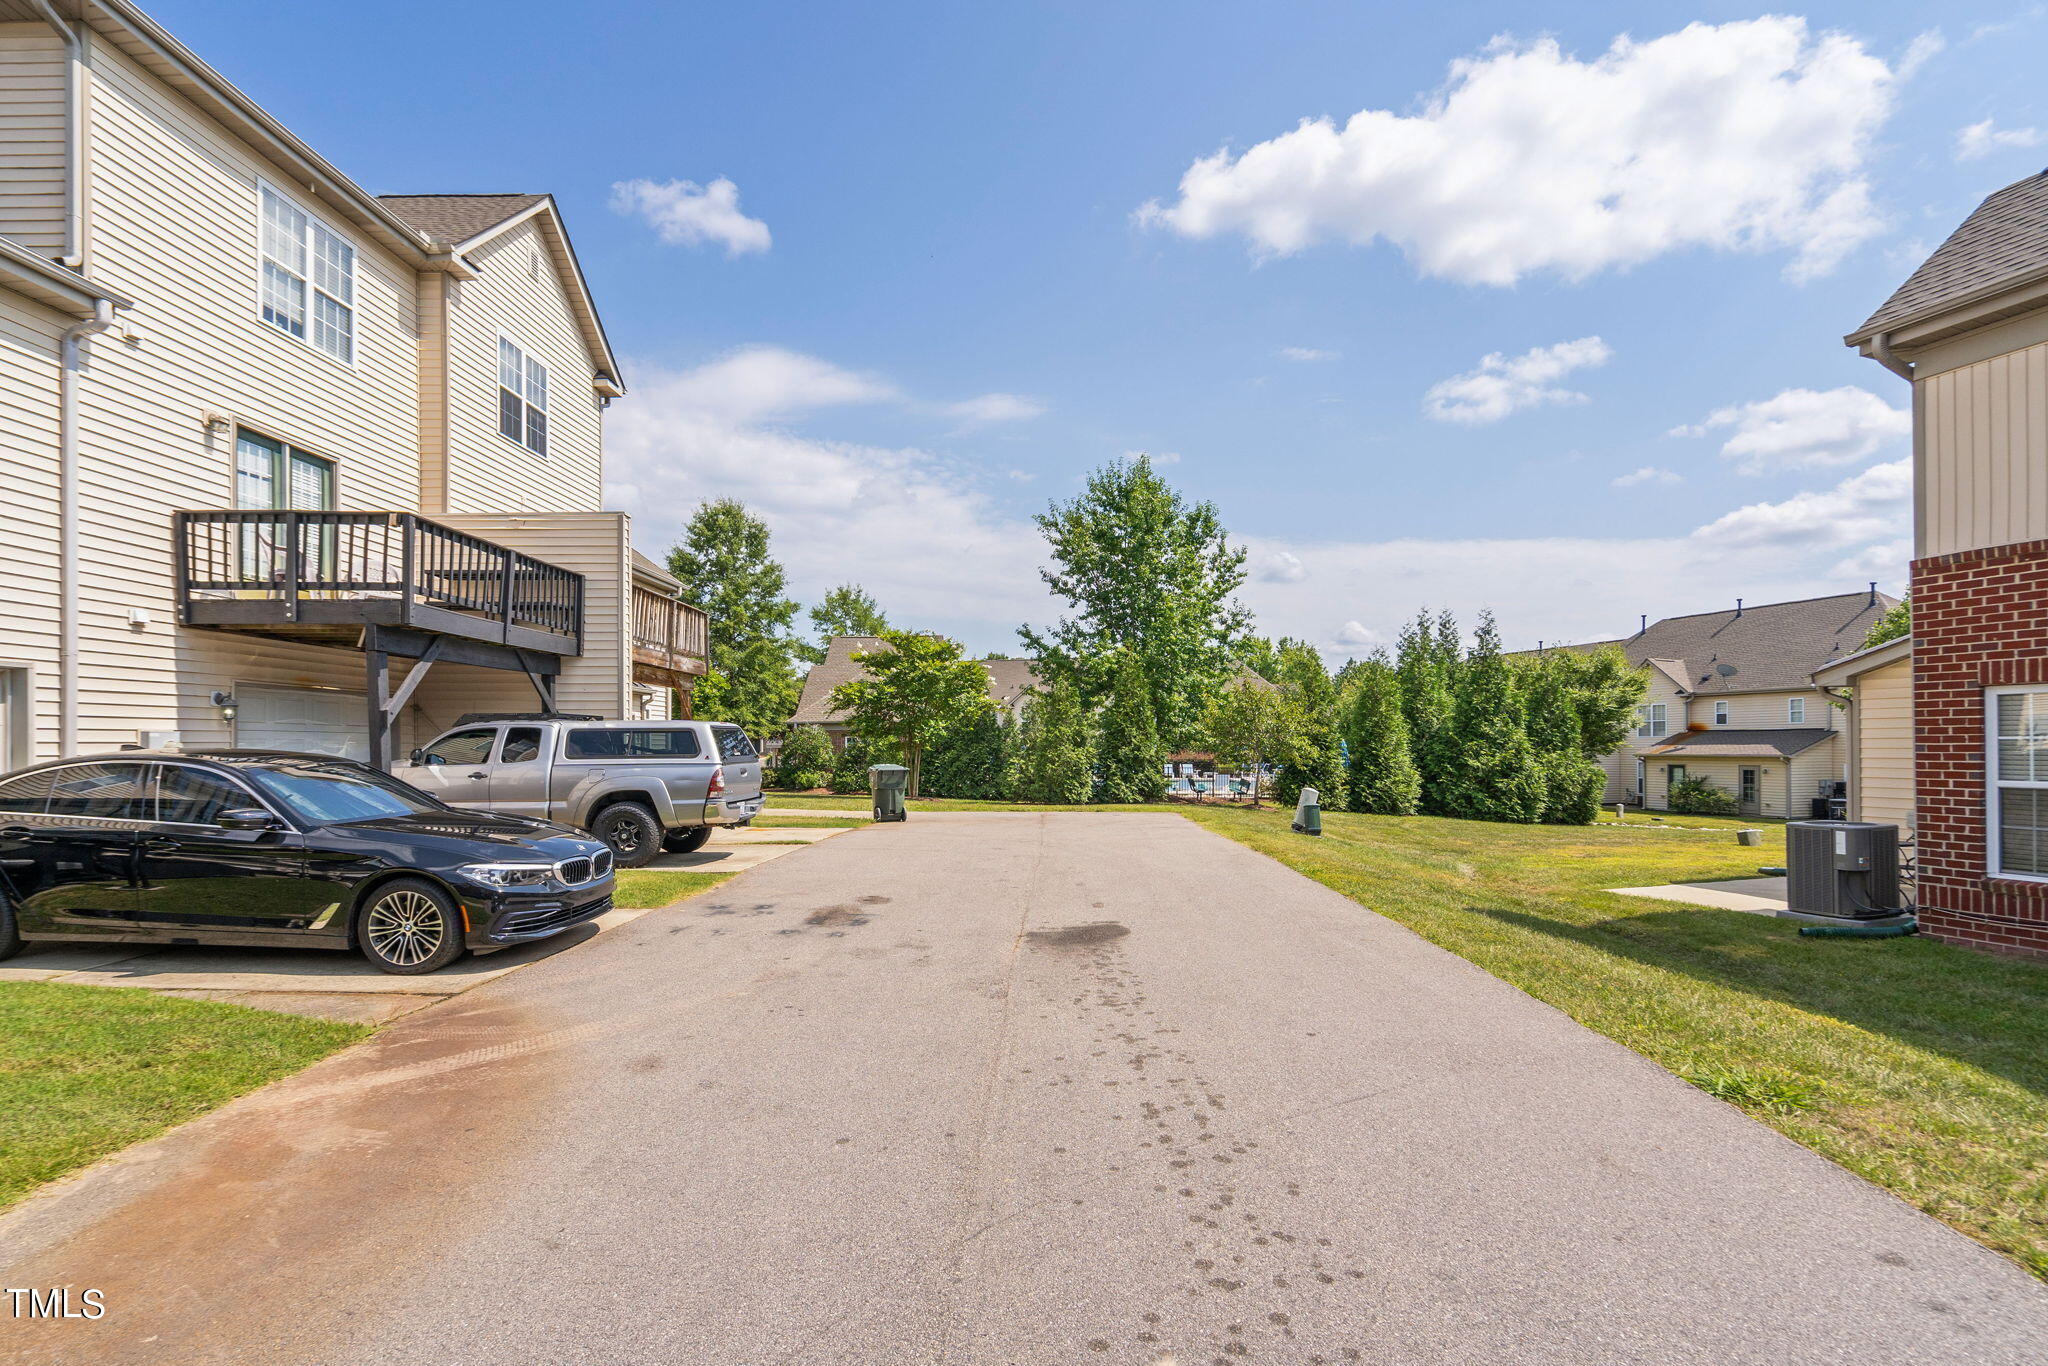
[74, 136]
[1880, 350]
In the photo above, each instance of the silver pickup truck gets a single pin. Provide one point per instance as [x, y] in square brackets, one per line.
[643, 787]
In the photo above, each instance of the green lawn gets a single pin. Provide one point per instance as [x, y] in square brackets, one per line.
[85, 1071]
[1919, 1066]
[647, 888]
[808, 822]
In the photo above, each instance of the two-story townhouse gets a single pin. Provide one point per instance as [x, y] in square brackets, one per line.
[1969, 331]
[1730, 700]
[286, 463]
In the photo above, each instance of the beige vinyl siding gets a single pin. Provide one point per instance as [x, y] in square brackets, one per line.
[32, 143]
[1883, 789]
[519, 296]
[30, 336]
[1726, 775]
[1812, 767]
[1983, 477]
[1767, 710]
[597, 545]
[174, 208]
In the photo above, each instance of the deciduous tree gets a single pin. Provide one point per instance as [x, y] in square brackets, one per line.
[725, 568]
[847, 610]
[1249, 726]
[917, 687]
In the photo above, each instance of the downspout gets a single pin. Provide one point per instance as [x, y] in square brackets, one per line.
[1881, 352]
[71, 363]
[74, 137]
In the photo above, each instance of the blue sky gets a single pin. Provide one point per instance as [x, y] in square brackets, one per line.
[931, 296]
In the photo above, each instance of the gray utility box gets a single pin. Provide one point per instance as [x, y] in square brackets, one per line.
[1842, 870]
[889, 783]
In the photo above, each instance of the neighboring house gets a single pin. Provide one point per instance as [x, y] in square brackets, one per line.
[1969, 330]
[286, 463]
[1876, 686]
[1731, 700]
[1009, 680]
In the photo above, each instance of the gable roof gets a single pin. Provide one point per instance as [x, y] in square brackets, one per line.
[2001, 245]
[1008, 679]
[460, 223]
[1740, 744]
[1775, 647]
[455, 218]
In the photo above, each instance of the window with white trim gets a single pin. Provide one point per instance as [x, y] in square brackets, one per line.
[2018, 768]
[309, 278]
[1795, 711]
[522, 398]
[1720, 713]
[1652, 720]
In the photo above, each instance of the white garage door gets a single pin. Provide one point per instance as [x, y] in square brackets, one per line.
[315, 720]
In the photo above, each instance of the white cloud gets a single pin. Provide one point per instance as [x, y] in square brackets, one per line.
[1805, 429]
[988, 408]
[1307, 353]
[1647, 474]
[1158, 457]
[1281, 567]
[1506, 384]
[954, 560]
[1746, 136]
[1863, 509]
[1980, 140]
[687, 214]
[1354, 634]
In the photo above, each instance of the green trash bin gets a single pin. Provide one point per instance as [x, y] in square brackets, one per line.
[889, 783]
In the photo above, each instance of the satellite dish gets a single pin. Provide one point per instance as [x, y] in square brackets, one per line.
[1725, 670]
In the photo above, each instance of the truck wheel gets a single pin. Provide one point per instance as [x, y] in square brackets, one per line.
[632, 832]
[685, 841]
[409, 927]
[10, 933]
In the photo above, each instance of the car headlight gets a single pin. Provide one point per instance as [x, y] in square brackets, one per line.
[510, 874]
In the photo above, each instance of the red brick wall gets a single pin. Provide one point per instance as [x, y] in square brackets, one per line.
[1980, 619]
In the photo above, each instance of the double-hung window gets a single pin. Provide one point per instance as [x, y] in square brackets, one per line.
[1795, 711]
[1720, 713]
[1651, 720]
[522, 398]
[309, 278]
[2018, 769]
[271, 475]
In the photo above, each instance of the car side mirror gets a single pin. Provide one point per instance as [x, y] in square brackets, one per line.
[248, 818]
[419, 757]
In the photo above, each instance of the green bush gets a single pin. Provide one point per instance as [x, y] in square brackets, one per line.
[805, 761]
[972, 760]
[850, 769]
[1572, 786]
[1698, 797]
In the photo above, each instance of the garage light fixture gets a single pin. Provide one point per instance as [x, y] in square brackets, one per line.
[227, 704]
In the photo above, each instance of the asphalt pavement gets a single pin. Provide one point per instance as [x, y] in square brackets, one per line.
[980, 1089]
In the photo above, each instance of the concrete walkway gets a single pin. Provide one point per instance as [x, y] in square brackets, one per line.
[989, 1089]
[1757, 895]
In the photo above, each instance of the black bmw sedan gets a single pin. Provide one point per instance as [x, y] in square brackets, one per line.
[257, 847]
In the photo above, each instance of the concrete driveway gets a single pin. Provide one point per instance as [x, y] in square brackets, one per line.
[984, 1089]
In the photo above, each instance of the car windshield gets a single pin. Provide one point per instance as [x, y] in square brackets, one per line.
[328, 794]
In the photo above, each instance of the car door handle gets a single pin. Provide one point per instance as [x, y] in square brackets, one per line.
[479, 775]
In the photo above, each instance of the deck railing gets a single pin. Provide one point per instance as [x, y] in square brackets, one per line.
[667, 632]
[296, 559]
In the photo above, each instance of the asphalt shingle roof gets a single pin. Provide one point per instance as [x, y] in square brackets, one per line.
[1008, 679]
[1739, 744]
[1774, 647]
[453, 218]
[2006, 237]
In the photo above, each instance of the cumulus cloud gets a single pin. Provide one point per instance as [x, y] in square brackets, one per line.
[990, 408]
[1306, 353]
[1745, 136]
[957, 561]
[1647, 474]
[1358, 636]
[687, 214]
[1506, 384]
[1281, 567]
[1980, 140]
[1805, 429]
[1863, 509]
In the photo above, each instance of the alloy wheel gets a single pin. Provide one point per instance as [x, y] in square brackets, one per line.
[406, 928]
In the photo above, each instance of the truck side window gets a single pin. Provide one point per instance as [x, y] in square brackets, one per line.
[463, 747]
[666, 743]
[522, 745]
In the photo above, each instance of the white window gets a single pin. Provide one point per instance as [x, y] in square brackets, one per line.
[1652, 720]
[1795, 711]
[522, 398]
[309, 278]
[2018, 768]
[1720, 713]
[1642, 776]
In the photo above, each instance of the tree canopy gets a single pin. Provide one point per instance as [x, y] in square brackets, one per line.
[917, 688]
[848, 610]
[1896, 621]
[725, 568]
[1148, 574]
